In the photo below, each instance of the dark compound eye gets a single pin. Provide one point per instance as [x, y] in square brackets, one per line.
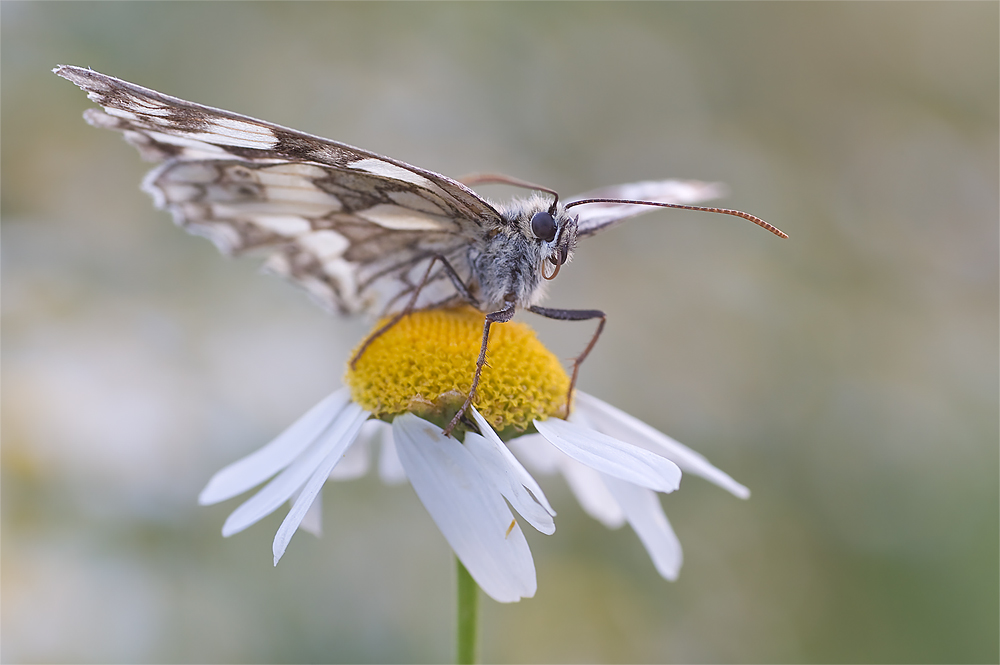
[543, 226]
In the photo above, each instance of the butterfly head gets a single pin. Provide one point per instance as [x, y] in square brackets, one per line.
[530, 245]
[547, 225]
[555, 229]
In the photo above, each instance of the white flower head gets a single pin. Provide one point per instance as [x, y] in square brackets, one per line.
[614, 463]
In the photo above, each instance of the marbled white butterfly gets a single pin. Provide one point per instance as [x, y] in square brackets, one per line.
[360, 231]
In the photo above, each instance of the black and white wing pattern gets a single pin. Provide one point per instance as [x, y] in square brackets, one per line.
[356, 229]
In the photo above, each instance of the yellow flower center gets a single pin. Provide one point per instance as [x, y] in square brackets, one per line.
[424, 365]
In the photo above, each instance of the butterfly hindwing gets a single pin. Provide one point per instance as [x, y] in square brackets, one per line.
[595, 217]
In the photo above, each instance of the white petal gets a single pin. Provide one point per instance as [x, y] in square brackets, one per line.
[516, 475]
[258, 466]
[611, 456]
[313, 521]
[354, 463]
[350, 424]
[390, 469]
[645, 514]
[536, 453]
[498, 473]
[590, 490]
[289, 481]
[472, 515]
[585, 483]
[621, 425]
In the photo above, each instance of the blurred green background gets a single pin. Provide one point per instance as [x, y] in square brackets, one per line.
[848, 375]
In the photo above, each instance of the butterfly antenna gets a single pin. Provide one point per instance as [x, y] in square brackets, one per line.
[500, 179]
[725, 211]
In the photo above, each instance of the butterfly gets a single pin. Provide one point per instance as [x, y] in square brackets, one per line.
[362, 232]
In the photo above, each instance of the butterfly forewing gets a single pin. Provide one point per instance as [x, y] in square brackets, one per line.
[356, 229]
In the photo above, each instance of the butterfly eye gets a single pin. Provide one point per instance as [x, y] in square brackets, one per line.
[543, 226]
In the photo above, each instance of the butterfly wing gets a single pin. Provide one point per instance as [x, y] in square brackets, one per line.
[595, 217]
[356, 229]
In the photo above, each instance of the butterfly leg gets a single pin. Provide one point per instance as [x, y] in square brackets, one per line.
[575, 315]
[455, 280]
[502, 316]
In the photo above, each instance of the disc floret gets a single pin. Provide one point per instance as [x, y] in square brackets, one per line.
[424, 365]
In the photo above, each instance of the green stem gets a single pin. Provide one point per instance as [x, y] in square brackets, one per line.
[468, 613]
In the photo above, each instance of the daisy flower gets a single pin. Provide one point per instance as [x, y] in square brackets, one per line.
[406, 386]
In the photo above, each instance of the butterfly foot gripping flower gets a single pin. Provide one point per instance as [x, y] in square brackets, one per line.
[408, 383]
